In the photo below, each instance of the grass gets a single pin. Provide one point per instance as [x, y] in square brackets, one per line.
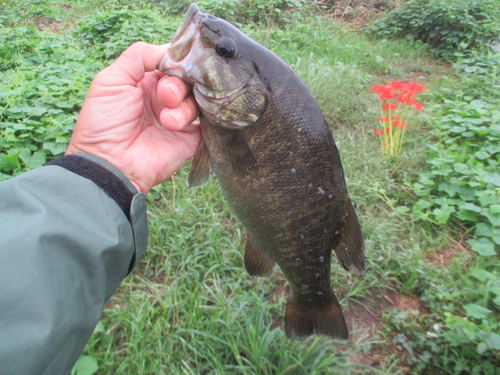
[189, 307]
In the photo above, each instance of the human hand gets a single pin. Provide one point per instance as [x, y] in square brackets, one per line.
[138, 119]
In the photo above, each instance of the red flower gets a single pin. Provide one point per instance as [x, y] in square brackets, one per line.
[390, 107]
[383, 119]
[417, 87]
[383, 92]
[397, 85]
[416, 105]
[377, 132]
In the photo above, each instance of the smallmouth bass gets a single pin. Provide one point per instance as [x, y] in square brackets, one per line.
[275, 157]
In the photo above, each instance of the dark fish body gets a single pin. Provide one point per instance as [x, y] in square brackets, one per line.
[274, 155]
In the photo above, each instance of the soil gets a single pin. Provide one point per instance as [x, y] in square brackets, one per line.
[47, 24]
[364, 316]
[357, 13]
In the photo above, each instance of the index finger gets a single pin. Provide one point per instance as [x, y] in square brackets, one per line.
[131, 66]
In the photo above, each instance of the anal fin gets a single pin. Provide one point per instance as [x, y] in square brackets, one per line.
[350, 251]
[257, 262]
[304, 319]
[200, 169]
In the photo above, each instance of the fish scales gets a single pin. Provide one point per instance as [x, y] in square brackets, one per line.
[276, 160]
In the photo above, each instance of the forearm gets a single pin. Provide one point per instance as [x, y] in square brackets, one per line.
[65, 247]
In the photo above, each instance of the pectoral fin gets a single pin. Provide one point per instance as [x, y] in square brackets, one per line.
[257, 262]
[200, 169]
[350, 251]
[241, 156]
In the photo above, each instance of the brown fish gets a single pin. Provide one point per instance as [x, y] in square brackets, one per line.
[274, 155]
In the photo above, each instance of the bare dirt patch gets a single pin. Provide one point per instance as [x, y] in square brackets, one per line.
[364, 317]
[456, 247]
[65, 6]
[357, 13]
[47, 24]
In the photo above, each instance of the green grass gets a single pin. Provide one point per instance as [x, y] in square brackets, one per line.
[189, 307]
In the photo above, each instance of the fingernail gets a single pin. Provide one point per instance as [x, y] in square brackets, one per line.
[172, 91]
[177, 117]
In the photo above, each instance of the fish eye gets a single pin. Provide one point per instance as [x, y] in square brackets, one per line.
[226, 48]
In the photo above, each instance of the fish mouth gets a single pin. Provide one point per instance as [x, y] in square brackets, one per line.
[181, 45]
[193, 9]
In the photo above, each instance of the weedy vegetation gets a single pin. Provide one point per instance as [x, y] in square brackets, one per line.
[430, 300]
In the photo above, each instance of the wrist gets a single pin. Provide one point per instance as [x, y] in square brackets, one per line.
[139, 187]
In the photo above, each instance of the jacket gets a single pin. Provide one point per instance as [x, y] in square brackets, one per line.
[70, 232]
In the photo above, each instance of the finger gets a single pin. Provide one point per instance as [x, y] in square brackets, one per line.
[172, 91]
[130, 67]
[175, 119]
[192, 127]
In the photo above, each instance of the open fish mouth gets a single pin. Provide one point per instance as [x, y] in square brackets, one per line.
[182, 41]
[174, 62]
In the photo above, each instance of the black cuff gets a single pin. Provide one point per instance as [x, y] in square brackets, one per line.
[111, 184]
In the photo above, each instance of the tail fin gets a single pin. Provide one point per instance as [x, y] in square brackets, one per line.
[351, 250]
[302, 319]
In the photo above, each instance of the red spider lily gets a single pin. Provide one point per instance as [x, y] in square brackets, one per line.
[396, 85]
[399, 124]
[416, 105]
[390, 107]
[383, 92]
[395, 98]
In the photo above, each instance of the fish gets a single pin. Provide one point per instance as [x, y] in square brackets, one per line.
[274, 155]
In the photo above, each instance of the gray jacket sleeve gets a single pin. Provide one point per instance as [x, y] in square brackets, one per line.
[65, 247]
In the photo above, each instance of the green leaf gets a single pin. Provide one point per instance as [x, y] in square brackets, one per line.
[467, 215]
[9, 162]
[481, 348]
[443, 214]
[482, 274]
[496, 300]
[99, 328]
[482, 155]
[442, 171]
[450, 189]
[37, 159]
[402, 209]
[492, 178]
[494, 219]
[55, 148]
[483, 246]
[471, 207]
[426, 181]
[493, 149]
[493, 341]
[484, 230]
[495, 209]
[86, 365]
[476, 311]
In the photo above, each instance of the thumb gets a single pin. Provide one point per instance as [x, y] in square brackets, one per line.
[131, 66]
